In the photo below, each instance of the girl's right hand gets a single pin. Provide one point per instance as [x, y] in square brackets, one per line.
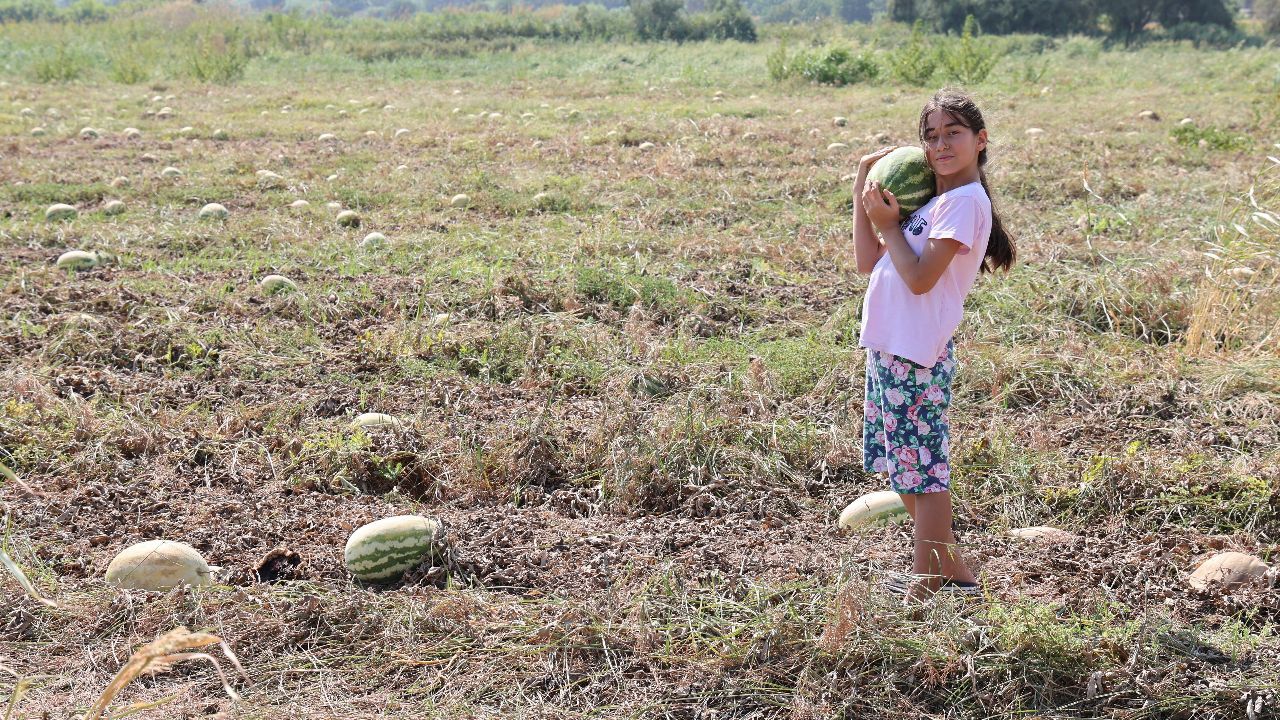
[868, 160]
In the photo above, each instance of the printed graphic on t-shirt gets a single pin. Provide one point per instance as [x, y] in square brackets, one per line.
[915, 224]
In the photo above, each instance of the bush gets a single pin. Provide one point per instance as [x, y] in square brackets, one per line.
[217, 57]
[14, 11]
[61, 63]
[836, 66]
[913, 63]
[969, 60]
[728, 20]
[1210, 36]
[131, 64]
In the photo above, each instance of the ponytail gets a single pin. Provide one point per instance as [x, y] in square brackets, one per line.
[1000, 250]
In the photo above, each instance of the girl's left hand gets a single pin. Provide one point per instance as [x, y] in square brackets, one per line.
[881, 206]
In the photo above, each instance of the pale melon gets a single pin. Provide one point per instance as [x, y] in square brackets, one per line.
[159, 565]
[873, 508]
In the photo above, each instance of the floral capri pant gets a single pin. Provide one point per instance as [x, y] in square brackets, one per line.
[905, 431]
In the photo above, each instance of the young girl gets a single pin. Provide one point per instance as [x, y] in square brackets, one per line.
[921, 269]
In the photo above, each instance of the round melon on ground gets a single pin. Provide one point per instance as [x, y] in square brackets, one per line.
[370, 420]
[905, 172]
[384, 549]
[170, 172]
[159, 565]
[273, 284]
[213, 211]
[1229, 569]
[348, 218]
[873, 508]
[268, 179]
[460, 200]
[60, 211]
[78, 260]
[1042, 533]
[373, 239]
[113, 207]
[299, 204]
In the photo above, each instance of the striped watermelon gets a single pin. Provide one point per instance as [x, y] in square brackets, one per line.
[385, 549]
[906, 173]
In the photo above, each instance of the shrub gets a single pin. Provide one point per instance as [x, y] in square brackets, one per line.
[728, 20]
[913, 63]
[217, 57]
[14, 11]
[969, 60]
[131, 64]
[836, 66]
[61, 63]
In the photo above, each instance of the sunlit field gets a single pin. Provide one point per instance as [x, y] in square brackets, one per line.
[614, 311]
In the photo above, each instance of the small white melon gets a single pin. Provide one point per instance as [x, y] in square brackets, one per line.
[1228, 568]
[348, 218]
[89, 133]
[60, 211]
[221, 134]
[873, 508]
[327, 137]
[840, 121]
[132, 133]
[299, 204]
[214, 211]
[113, 207]
[460, 200]
[121, 181]
[373, 239]
[159, 565]
[37, 131]
[400, 133]
[837, 146]
[170, 172]
[1043, 534]
[273, 284]
[268, 179]
[371, 420]
[78, 260]
[646, 146]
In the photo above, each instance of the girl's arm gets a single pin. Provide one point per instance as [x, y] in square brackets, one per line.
[919, 273]
[867, 248]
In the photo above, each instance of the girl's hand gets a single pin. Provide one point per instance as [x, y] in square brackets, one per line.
[881, 206]
[868, 160]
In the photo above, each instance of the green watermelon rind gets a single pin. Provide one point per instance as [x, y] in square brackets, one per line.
[386, 549]
[905, 172]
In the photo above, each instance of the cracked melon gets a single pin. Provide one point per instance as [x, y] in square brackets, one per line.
[384, 549]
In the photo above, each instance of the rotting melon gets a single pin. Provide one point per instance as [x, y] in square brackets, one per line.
[906, 173]
[159, 565]
[873, 508]
[370, 420]
[384, 549]
[1229, 569]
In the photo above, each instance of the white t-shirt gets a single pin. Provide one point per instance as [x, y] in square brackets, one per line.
[917, 327]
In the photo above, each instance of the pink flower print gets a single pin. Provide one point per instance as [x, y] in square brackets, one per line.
[894, 396]
[944, 417]
[913, 412]
[923, 375]
[908, 457]
[909, 479]
[947, 365]
[884, 359]
[945, 447]
[880, 436]
[942, 356]
[924, 429]
[870, 411]
[899, 370]
[940, 471]
[882, 464]
[926, 457]
[934, 394]
[890, 423]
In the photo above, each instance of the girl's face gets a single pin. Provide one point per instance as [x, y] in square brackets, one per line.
[950, 146]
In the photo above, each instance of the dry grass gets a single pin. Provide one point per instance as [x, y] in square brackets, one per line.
[636, 410]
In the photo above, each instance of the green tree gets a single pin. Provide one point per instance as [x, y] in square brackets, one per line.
[902, 10]
[659, 19]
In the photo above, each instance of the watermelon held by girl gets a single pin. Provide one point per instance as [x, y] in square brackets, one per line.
[906, 173]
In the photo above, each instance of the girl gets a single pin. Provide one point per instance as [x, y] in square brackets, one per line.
[921, 269]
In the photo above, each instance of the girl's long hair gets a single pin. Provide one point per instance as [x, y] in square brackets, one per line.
[1000, 250]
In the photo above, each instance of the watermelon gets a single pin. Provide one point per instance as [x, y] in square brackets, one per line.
[159, 565]
[905, 172]
[872, 508]
[384, 549]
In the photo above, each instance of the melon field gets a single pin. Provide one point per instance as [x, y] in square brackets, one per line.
[601, 298]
